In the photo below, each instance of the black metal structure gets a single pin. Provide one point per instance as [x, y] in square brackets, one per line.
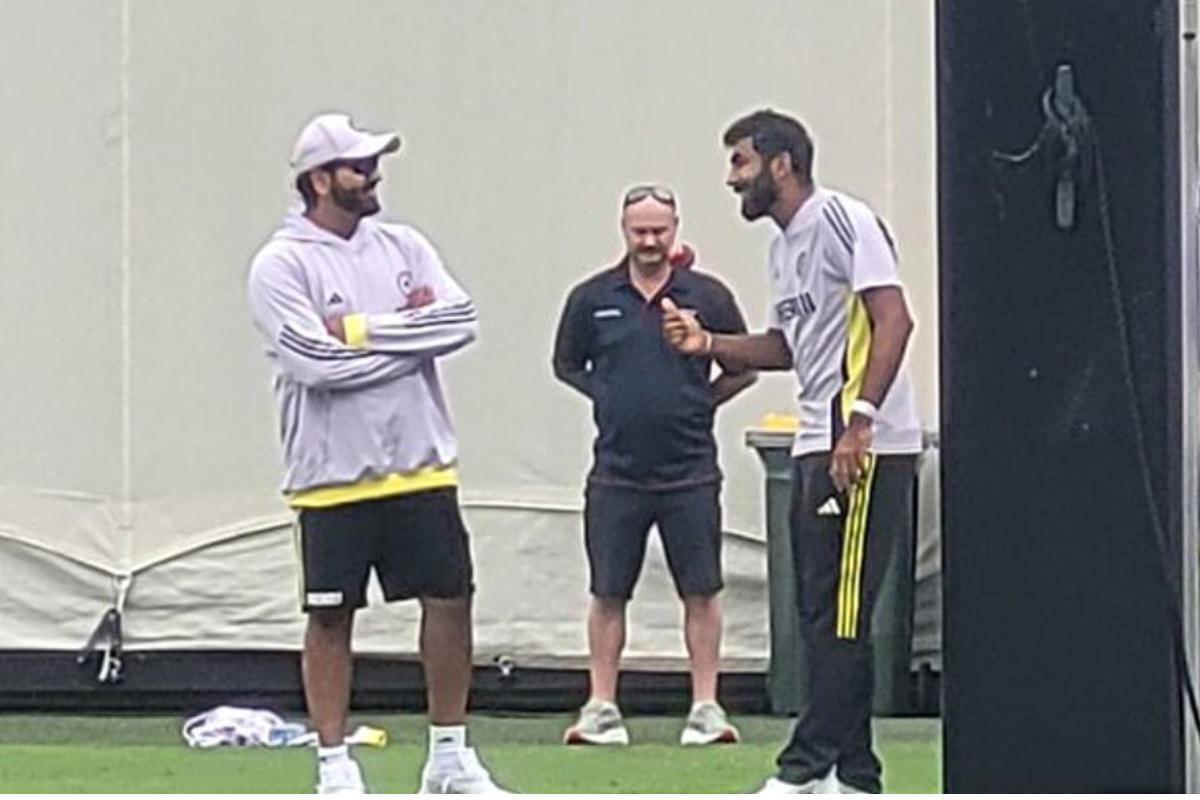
[192, 681]
[1060, 253]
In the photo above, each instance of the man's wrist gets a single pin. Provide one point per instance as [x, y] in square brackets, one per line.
[859, 423]
[707, 347]
[354, 330]
[864, 408]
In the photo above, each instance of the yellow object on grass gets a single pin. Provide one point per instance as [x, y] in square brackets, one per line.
[372, 737]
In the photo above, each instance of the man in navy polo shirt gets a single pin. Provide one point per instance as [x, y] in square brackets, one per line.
[655, 455]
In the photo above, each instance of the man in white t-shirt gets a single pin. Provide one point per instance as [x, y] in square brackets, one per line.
[838, 317]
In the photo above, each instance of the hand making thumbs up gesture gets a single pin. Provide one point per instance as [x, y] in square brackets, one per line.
[683, 331]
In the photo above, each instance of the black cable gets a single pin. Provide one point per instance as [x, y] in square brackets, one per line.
[1154, 512]
[1066, 140]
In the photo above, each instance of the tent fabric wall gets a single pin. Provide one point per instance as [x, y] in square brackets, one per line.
[147, 162]
[241, 593]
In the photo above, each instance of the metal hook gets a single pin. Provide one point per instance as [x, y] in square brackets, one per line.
[108, 638]
[506, 665]
[1067, 129]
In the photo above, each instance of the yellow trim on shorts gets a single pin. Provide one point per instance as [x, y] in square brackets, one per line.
[854, 535]
[375, 488]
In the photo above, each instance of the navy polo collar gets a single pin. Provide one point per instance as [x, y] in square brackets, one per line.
[679, 282]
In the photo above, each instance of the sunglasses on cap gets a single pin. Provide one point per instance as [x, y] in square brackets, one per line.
[639, 193]
[365, 167]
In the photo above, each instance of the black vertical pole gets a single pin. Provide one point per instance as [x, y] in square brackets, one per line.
[1060, 386]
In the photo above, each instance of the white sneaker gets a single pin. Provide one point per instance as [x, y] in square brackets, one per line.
[707, 724]
[827, 784]
[340, 777]
[599, 723]
[835, 785]
[458, 774]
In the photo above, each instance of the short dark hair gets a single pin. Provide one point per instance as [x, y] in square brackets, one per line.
[305, 188]
[773, 133]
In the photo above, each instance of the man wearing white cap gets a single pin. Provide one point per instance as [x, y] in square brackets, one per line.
[354, 314]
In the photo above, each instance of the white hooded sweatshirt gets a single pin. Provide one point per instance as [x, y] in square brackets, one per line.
[371, 409]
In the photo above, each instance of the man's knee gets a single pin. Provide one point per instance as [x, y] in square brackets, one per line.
[450, 604]
[609, 606]
[446, 612]
[702, 602]
[330, 619]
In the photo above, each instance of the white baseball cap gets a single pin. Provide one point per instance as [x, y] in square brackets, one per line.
[332, 137]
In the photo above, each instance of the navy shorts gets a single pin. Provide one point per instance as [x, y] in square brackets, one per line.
[617, 522]
[416, 543]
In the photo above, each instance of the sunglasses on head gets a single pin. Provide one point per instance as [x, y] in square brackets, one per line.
[639, 193]
[365, 167]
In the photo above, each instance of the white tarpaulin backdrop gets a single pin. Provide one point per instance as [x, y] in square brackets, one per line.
[144, 160]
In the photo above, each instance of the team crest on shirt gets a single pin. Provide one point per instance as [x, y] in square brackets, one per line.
[800, 260]
[404, 281]
[414, 296]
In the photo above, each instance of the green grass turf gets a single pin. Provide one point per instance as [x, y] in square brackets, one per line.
[146, 754]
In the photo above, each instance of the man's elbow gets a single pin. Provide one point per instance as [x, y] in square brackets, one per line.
[458, 339]
[562, 370]
[901, 326]
[904, 325]
[471, 333]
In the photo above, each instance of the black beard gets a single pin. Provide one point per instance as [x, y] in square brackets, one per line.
[354, 201]
[759, 196]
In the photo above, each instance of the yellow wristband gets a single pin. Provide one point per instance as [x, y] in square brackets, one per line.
[355, 327]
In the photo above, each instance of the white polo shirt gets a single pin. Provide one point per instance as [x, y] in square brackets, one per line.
[834, 248]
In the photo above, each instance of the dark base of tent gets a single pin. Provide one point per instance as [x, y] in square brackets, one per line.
[183, 681]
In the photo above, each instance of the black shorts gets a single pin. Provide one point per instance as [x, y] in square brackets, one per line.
[617, 522]
[416, 543]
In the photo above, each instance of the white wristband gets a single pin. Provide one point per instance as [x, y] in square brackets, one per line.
[864, 407]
